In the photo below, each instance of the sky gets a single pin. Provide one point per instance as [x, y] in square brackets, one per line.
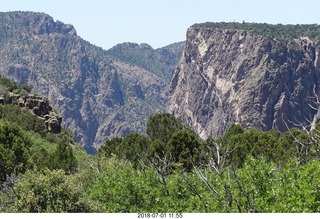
[158, 23]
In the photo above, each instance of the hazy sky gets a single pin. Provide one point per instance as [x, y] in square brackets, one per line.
[161, 22]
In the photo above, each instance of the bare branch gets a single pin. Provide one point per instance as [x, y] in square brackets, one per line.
[195, 191]
[207, 183]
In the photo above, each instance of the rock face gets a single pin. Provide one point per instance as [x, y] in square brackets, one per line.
[229, 76]
[97, 95]
[38, 105]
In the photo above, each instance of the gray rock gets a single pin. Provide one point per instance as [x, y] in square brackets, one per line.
[98, 95]
[40, 107]
[54, 125]
[229, 76]
[2, 100]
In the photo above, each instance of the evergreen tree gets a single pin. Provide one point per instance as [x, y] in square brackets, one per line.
[111, 146]
[184, 147]
[162, 126]
[63, 158]
[14, 146]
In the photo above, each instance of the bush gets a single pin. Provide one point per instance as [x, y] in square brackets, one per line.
[49, 191]
[25, 87]
[162, 126]
[184, 147]
[63, 158]
[14, 146]
[9, 84]
[24, 119]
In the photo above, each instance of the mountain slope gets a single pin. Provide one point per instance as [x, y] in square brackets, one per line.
[231, 73]
[160, 61]
[97, 95]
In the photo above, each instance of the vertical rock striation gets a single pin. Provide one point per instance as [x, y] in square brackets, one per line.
[97, 95]
[229, 76]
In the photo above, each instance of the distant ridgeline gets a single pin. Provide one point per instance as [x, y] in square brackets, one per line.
[279, 31]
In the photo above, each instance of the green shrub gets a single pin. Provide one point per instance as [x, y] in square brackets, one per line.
[9, 84]
[14, 146]
[25, 87]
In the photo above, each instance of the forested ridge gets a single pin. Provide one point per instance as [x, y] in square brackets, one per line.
[170, 169]
[280, 31]
[160, 62]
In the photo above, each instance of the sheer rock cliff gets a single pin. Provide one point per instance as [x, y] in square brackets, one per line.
[228, 76]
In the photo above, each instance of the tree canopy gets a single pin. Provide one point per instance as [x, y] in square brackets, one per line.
[170, 169]
[279, 31]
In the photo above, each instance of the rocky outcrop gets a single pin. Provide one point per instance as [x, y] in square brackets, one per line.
[229, 76]
[98, 95]
[38, 105]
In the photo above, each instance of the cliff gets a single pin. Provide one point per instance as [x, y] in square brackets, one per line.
[98, 95]
[233, 75]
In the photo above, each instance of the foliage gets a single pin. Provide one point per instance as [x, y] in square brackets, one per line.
[9, 84]
[162, 126]
[275, 147]
[25, 87]
[63, 158]
[14, 145]
[13, 86]
[21, 150]
[110, 146]
[291, 189]
[172, 142]
[168, 143]
[130, 148]
[121, 189]
[169, 170]
[279, 31]
[184, 147]
[259, 186]
[25, 119]
[49, 191]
